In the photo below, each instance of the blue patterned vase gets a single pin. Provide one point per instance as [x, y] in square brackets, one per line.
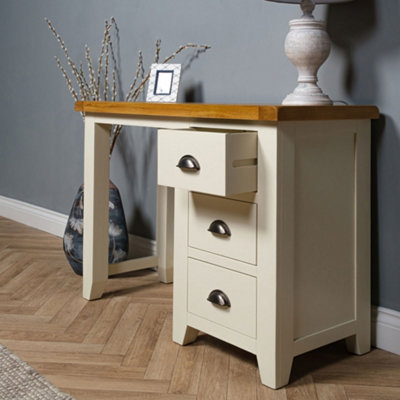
[117, 232]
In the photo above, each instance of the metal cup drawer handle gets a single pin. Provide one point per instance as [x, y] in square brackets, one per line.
[219, 298]
[188, 163]
[219, 227]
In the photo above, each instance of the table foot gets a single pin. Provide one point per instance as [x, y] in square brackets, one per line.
[359, 343]
[94, 291]
[273, 373]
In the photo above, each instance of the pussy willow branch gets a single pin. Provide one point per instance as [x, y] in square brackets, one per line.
[66, 77]
[89, 89]
[69, 60]
[139, 70]
[157, 53]
[107, 56]
[84, 82]
[114, 59]
[104, 45]
[91, 73]
[185, 46]
[114, 86]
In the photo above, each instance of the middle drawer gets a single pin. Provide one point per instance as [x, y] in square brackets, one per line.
[223, 226]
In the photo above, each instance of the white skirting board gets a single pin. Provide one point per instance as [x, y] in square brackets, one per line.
[54, 223]
[385, 322]
[386, 329]
[31, 215]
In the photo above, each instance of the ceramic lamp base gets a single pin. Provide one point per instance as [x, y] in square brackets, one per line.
[307, 46]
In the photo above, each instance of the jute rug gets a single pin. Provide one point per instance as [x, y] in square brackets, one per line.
[20, 381]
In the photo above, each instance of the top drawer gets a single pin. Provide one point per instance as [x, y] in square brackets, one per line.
[215, 162]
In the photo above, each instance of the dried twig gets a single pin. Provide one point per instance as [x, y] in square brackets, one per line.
[157, 54]
[183, 47]
[92, 77]
[114, 86]
[139, 70]
[107, 55]
[69, 60]
[102, 55]
[66, 77]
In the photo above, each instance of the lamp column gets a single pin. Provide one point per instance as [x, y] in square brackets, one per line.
[307, 46]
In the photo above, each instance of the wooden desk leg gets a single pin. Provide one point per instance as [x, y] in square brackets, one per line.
[165, 233]
[96, 197]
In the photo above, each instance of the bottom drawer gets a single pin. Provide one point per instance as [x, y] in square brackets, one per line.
[240, 290]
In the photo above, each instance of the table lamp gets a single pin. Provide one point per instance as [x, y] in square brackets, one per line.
[307, 46]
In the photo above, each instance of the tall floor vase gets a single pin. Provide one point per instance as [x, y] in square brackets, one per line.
[117, 232]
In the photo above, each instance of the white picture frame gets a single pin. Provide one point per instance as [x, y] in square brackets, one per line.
[163, 83]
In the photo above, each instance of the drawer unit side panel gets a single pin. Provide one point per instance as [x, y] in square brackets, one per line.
[324, 286]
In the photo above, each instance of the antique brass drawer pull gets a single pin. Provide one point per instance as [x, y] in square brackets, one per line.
[219, 227]
[219, 298]
[189, 163]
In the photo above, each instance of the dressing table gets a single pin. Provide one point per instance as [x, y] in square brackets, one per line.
[263, 218]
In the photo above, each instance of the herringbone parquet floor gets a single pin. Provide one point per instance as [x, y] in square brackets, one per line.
[120, 347]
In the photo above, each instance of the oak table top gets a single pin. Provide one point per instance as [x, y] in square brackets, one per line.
[246, 112]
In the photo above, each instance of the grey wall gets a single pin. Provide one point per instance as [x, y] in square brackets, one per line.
[41, 148]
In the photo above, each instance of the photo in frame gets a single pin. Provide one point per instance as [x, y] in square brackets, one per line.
[164, 83]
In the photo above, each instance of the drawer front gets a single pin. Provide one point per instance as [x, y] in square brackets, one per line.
[223, 226]
[220, 163]
[236, 288]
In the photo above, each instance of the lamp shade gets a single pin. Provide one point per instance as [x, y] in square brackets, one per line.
[314, 1]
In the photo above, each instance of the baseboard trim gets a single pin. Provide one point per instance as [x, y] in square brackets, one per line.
[31, 215]
[54, 223]
[140, 246]
[386, 329]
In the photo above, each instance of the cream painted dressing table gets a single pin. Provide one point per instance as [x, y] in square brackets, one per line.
[263, 215]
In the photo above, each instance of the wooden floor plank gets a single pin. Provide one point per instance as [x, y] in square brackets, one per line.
[330, 392]
[87, 317]
[29, 289]
[360, 392]
[142, 346]
[57, 300]
[83, 358]
[213, 383]
[266, 393]
[70, 311]
[242, 380]
[107, 320]
[45, 289]
[111, 384]
[94, 371]
[51, 347]
[126, 329]
[302, 389]
[162, 362]
[12, 277]
[186, 375]
[113, 395]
